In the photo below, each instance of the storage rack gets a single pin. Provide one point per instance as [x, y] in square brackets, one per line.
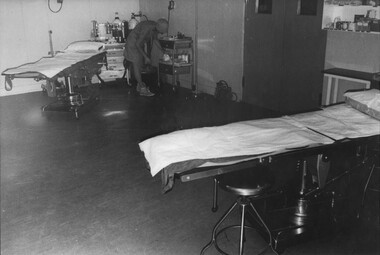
[115, 68]
[176, 66]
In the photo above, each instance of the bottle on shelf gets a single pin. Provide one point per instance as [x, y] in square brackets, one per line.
[117, 28]
[117, 20]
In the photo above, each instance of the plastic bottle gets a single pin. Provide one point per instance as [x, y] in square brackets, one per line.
[116, 30]
[117, 21]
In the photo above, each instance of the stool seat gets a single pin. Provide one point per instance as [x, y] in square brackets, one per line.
[249, 182]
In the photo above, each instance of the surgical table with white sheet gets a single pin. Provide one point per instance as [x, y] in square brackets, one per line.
[68, 69]
[207, 152]
[182, 151]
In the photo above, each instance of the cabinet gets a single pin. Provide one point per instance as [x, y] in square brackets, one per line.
[284, 50]
[114, 68]
[178, 54]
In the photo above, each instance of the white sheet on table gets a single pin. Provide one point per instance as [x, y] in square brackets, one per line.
[339, 122]
[371, 98]
[51, 66]
[367, 101]
[237, 139]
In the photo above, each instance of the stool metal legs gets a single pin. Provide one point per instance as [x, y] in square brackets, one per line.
[367, 184]
[242, 225]
[243, 202]
[262, 222]
[215, 196]
[213, 238]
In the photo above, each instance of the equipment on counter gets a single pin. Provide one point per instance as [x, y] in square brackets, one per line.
[101, 31]
[108, 31]
[117, 31]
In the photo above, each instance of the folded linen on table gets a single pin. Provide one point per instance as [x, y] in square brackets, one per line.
[247, 138]
[365, 101]
[339, 122]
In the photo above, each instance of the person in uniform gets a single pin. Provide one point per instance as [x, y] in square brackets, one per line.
[144, 32]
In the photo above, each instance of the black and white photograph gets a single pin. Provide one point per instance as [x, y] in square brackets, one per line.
[181, 127]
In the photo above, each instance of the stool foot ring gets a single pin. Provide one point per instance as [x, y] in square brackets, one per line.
[220, 232]
[224, 229]
[243, 203]
[217, 226]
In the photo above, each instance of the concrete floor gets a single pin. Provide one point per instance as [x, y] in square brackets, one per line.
[81, 186]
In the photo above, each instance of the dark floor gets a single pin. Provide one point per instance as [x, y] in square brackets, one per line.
[81, 187]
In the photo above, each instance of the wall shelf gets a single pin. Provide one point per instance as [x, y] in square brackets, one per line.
[349, 31]
[345, 12]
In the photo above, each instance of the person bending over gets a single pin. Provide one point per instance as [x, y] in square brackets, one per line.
[144, 32]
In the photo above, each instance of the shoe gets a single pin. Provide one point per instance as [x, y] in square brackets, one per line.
[138, 87]
[146, 92]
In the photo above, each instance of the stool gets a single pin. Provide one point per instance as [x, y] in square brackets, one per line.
[367, 187]
[374, 157]
[248, 185]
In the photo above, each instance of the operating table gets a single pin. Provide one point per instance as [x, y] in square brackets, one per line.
[309, 138]
[192, 150]
[69, 69]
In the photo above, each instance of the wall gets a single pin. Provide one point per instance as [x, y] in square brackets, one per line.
[220, 37]
[352, 50]
[24, 26]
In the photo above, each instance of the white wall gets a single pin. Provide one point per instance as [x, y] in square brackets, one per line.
[220, 37]
[24, 26]
[354, 51]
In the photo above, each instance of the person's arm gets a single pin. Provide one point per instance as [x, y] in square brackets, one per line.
[157, 43]
[139, 44]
